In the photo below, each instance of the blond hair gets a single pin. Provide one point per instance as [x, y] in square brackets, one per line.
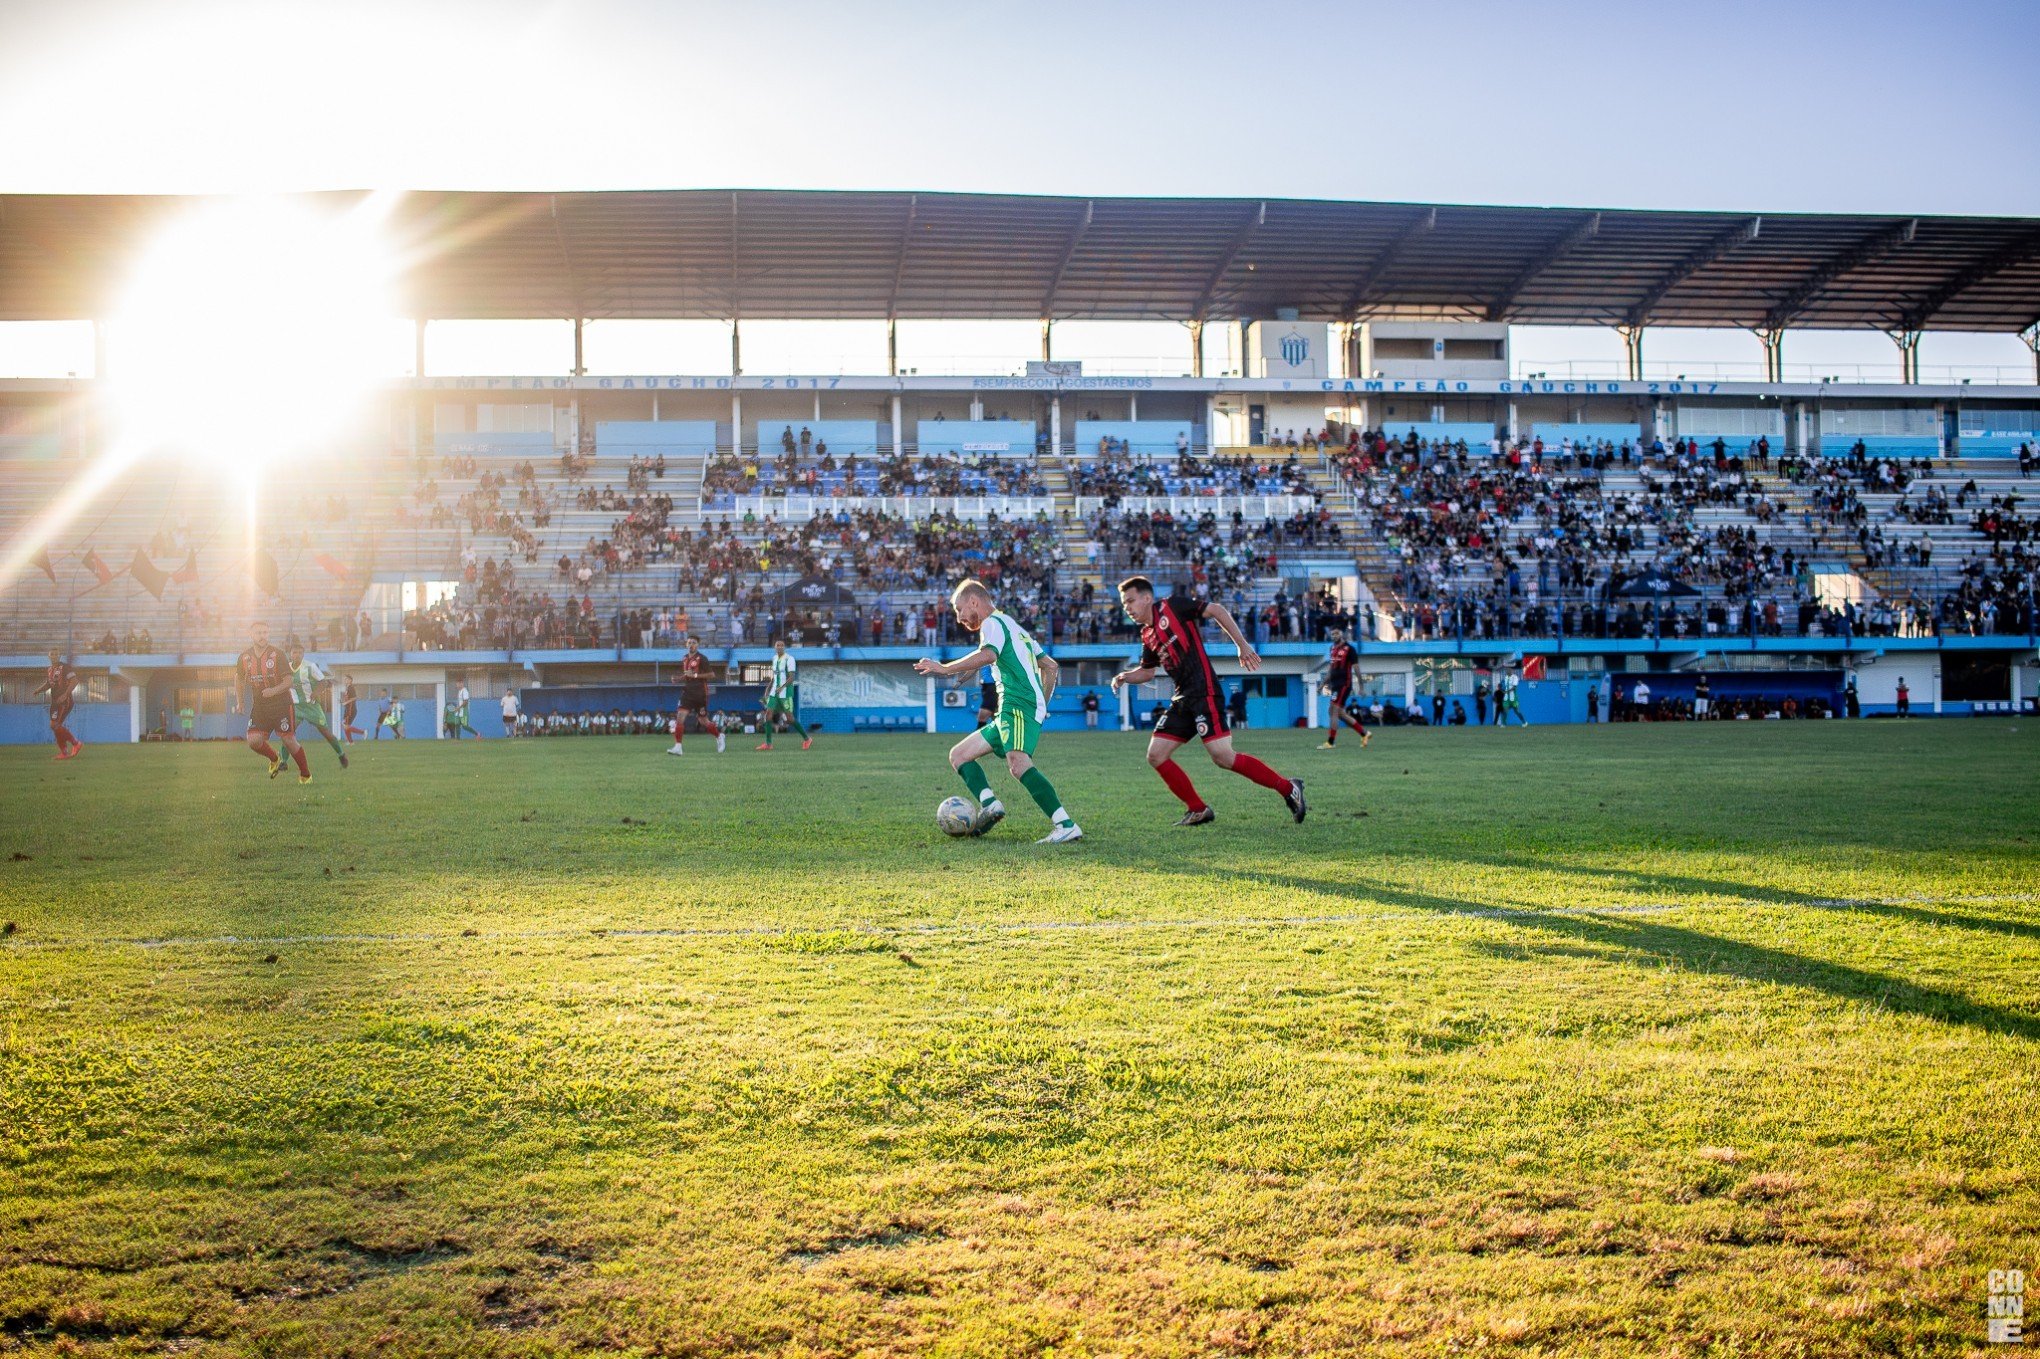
[971, 585]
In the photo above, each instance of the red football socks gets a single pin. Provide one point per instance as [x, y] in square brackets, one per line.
[1179, 784]
[264, 749]
[1260, 773]
[302, 767]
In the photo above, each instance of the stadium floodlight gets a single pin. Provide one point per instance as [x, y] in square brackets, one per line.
[252, 329]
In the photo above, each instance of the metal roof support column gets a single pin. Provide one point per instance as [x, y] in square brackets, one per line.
[418, 359]
[1046, 353]
[736, 347]
[1632, 348]
[2031, 335]
[1196, 348]
[1773, 340]
[892, 346]
[580, 367]
[1908, 342]
[1055, 424]
[897, 450]
[737, 423]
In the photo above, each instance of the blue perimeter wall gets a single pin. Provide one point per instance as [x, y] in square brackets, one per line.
[23, 724]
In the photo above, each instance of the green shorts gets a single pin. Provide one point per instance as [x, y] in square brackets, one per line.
[783, 703]
[312, 713]
[1011, 730]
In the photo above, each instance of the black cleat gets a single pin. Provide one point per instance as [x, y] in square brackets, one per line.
[343, 759]
[1203, 816]
[1294, 797]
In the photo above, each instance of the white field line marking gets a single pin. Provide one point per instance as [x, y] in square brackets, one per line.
[1015, 927]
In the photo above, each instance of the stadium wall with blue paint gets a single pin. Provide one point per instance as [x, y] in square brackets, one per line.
[970, 437]
[31, 448]
[1140, 436]
[842, 436]
[23, 724]
[494, 445]
[642, 438]
[1479, 435]
[1882, 445]
[1997, 445]
[1587, 434]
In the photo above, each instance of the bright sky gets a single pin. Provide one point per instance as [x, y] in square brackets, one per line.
[1815, 105]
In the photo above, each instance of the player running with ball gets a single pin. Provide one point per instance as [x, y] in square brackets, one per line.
[1172, 639]
[1025, 677]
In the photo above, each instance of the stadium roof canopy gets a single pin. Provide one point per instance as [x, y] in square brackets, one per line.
[800, 255]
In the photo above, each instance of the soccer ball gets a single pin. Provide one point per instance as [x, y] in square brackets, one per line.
[956, 816]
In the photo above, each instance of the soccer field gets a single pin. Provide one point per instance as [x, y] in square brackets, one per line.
[1717, 1039]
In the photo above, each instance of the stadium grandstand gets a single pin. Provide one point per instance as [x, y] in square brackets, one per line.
[1373, 466]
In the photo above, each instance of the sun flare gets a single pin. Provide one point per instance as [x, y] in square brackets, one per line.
[288, 305]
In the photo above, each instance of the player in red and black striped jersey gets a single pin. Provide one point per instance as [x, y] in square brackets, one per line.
[1172, 640]
[1339, 684]
[694, 672]
[60, 681]
[265, 674]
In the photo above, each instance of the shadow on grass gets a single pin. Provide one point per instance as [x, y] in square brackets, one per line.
[1679, 884]
[1699, 952]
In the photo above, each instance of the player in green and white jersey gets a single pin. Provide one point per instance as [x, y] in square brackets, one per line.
[782, 697]
[304, 696]
[1026, 678]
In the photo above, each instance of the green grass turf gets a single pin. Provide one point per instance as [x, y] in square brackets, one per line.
[1638, 1041]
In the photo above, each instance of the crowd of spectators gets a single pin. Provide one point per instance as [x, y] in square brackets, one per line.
[1533, 540]
[614, 722]
[1204, 552]
[825, 475]
[1116, 475]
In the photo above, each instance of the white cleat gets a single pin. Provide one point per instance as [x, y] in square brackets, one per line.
[990, 815]
[718, 743]
[1062, 835]
[676, 751]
